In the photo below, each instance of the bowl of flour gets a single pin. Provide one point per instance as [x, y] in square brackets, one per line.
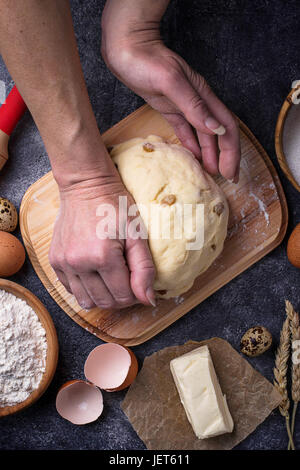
[28, 348]
[287, 136]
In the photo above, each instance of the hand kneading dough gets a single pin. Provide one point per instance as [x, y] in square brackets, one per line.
[155, 172]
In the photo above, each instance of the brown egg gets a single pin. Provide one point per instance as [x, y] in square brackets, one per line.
[293, 247]
[12, 254]
[79, 402]
[111, 367]
[8, 215]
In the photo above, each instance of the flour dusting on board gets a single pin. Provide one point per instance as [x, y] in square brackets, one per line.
[178, 300]
[262, 206]
[37, 200]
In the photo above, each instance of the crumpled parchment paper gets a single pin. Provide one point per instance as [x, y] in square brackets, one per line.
[153, 407]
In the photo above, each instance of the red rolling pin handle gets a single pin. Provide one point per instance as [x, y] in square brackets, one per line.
[11, 111]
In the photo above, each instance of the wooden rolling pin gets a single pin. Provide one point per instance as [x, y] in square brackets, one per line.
[10, 113]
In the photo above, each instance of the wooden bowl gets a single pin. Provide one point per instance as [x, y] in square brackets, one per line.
[288, 103]
[52, 343]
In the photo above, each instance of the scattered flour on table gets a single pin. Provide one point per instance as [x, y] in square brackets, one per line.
[23, 350]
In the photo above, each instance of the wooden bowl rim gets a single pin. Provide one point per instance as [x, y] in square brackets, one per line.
[51, 338]
[287, 104]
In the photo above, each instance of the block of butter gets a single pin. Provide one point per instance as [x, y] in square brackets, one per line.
[200, 393]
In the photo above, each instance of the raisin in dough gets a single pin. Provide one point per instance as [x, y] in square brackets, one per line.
[156, 172]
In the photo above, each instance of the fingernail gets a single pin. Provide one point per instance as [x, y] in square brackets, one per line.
[151, 296]
[215, 126]
[235, 180]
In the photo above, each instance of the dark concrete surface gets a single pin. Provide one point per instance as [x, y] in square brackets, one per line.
[248, 51]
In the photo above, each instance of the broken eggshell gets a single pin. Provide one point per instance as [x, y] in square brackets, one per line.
[111, 367]
[79, 401]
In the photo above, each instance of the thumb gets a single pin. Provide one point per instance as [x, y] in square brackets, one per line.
[142, 270]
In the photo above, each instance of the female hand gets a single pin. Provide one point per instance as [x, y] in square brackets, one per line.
[108, 273]
[134, 52]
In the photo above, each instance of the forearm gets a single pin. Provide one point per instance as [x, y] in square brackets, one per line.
[38, 45]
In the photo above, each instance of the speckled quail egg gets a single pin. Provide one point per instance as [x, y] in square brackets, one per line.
[8, 216]
[256, 341]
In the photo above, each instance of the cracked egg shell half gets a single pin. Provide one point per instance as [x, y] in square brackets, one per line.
[111, 367]
[79, 402]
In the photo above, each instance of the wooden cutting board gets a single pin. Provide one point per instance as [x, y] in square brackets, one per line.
[257, 224]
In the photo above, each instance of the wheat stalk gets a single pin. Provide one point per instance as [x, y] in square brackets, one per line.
[280, 375]
[281, 366]
[293, 317]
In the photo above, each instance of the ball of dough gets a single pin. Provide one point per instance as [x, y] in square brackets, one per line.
[166, 177]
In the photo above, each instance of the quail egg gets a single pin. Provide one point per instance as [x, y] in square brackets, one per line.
[8, 216]
[256, 341]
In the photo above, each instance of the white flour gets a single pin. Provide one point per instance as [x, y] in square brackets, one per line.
[23, 350]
